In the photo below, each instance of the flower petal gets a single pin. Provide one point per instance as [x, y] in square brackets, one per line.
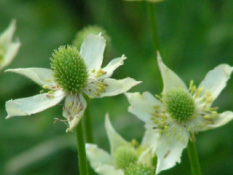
[97, 156]
[112, 66]
[151, 137]
[109, 87]
[92, 50]
[170, 79]
[216, 79]
[41, 76]
[142, 105]
[73, 110]
[7, 35]
[10, 54]
[169, 150]
[114, 138]
[115, 87]
[146, 157]
[109, 170]
[32, 105]
[101, 161]
[220, 120]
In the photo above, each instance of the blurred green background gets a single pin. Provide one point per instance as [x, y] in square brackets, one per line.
[195, 36]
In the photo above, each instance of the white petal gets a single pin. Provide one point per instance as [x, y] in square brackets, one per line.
[114, 138]
[170, 79]
[97, 156]
[109, 87]
[7, 35]
[109, 170]
[115, 87]
[221, 120]
[10, 54]
[112, 66]
[101, 161]
[142, 105]
[151, 137]
[169, 150]
[216, 79]
[92, 50]
[41, 76]
[146, 157]
[74, 107]
[32, 105]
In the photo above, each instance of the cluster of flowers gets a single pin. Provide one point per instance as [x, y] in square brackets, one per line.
[171, 118]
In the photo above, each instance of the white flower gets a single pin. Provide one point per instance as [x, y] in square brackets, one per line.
[73, 74]
[8, 48]
[180, 112]
[125, 158]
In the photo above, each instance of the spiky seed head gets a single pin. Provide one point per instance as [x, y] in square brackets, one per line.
[124, 156]
[179, 104]
[139, 169]
[69, 69]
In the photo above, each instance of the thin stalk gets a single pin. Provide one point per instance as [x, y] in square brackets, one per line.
[193, 158]
[88, 127]
[151, 11]
[82, 160]
[88, 133]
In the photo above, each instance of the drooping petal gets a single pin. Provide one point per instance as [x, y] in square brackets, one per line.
[142, 105]
[170, 79]
[7, 35]
[112, 66]
[41, 76]
[74, 107]
[216, 79]
[92, 50]
[169, 150]
[34, 104]
[10, 54]
[220, 120]
[114, 138]
[146, 157]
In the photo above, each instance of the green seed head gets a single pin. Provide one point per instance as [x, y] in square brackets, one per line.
[139, 169]
[69, 69]
[93, 29]
[124, 156]
[179, 104]
[2, 53]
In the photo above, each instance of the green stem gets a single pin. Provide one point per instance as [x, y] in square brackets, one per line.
[81, 149]
[88, 127]
[88, 134]
[153, 25]
[193, 158]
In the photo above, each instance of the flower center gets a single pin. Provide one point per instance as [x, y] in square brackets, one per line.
[2, 53]
[139, 169]
[69, 69]
[124, 156]
[179, 104]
